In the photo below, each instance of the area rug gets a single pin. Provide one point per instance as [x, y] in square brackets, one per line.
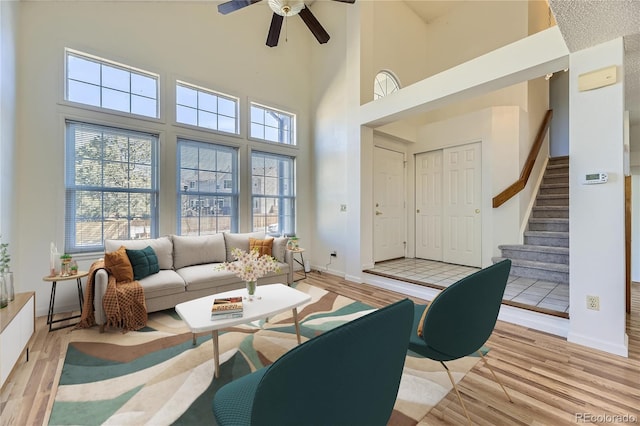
[157, 376]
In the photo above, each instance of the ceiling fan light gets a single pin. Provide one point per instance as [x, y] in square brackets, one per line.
[286, 7]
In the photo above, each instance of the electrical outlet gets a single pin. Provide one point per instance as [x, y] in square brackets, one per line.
[334, 254]
[593, 303]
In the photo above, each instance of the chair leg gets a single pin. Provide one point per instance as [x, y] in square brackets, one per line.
[494, 376]
[457, 393]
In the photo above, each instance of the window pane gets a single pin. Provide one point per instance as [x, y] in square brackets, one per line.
[83, 93]
[115, 78]
[207, 119]
[186, 115]
[144, 106]
[143, 85]
[113, 99]
[257, 115]
[83, 70]
[227, 107]
[227, 124]
[207, 102]
[257, 131]
[186, 96]
[271, 134]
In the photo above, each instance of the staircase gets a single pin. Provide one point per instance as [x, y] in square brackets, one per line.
[545, 252]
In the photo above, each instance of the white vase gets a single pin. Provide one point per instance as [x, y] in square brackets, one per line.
[8, 279]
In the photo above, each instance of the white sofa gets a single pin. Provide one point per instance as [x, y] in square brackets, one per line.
[188, 268]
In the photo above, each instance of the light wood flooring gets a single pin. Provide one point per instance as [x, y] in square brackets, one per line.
[551, 381]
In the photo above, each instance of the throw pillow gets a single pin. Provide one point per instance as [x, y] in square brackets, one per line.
[263, 246]
[117, 264]
[144, 262]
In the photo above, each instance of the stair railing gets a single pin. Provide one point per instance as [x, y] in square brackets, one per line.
[520, 184]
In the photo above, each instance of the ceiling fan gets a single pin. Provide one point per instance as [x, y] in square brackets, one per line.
[282, 9]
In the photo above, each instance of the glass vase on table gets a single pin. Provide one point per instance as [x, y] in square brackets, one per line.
[251, 290]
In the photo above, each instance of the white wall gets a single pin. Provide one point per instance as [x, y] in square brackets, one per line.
[8, 30]
[596, 212]
[559, 103]
[185, 40]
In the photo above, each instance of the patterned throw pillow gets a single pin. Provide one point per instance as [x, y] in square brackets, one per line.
[144, 262]
[264, 246]
[117, 264]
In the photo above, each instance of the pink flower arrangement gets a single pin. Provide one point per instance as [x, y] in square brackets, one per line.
[249, 266]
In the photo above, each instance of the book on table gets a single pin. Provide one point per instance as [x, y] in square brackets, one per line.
[226, 307]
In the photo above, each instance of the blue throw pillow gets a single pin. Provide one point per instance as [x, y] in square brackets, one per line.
[144, 262]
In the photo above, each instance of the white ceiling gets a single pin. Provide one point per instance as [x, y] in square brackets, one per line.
[583, 24]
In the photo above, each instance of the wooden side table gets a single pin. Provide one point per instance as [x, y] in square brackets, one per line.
[300, 262]
[54, 280]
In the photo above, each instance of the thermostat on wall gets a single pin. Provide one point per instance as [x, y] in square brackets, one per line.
[590, 178]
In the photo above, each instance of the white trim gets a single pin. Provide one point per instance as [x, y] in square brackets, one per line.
[581, 339]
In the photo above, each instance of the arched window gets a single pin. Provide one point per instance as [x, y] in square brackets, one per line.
[384, 84]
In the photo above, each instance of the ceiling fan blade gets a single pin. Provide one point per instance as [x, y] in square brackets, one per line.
[321, 35]
[233, 5]
[346, 1]
[274, 30]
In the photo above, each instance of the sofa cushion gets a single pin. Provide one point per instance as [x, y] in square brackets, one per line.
[144, 262]
[263, 246]
[163, 247]
[279, 248]
[209, 277]
[118, 264]
[240, 241]
[164, 283]
[196, 250]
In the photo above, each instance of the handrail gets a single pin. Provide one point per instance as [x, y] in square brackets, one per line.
[519, 185]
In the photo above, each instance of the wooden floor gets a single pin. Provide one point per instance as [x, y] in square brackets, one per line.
[552, 382]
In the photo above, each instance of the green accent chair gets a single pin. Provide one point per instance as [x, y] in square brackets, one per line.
[459, 321]
[349, 375]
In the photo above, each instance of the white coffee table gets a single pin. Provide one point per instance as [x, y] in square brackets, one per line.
[271, 299]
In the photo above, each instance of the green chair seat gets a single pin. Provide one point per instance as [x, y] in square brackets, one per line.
[349, 375]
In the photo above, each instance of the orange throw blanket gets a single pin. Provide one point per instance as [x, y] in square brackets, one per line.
[123, 303]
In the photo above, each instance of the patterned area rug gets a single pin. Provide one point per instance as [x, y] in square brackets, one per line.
[156, 376]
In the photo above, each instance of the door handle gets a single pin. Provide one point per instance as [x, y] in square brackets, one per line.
[477, 211]
[378, 213]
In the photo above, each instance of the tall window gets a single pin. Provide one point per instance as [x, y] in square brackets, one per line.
[207, 188]
[205, 108]
[273, 193]
[111, 186]
[384, 84]
[272, 125]
[105, 84]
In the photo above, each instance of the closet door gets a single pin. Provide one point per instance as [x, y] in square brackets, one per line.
[462, 190]
[429, 205]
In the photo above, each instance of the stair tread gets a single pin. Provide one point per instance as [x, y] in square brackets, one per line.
[531, 247]
[557, 234]
[549, 220]
[553, 196]
[556, 267]
[551, 207]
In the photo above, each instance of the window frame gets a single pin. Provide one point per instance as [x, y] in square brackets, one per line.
[293, 138]
[211, 92]
[72, 188]
[234, 194]
[292, 198]
[118, 66]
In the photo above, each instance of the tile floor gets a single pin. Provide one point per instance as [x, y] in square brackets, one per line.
[521, 291]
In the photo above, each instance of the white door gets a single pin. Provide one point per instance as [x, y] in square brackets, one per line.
[389, 223]
[429, 205]
[462, 227]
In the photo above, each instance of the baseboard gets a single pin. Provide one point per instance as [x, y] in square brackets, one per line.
[616, 349]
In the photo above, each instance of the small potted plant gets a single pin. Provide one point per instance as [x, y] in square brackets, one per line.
[65, 265]
[73, 268]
